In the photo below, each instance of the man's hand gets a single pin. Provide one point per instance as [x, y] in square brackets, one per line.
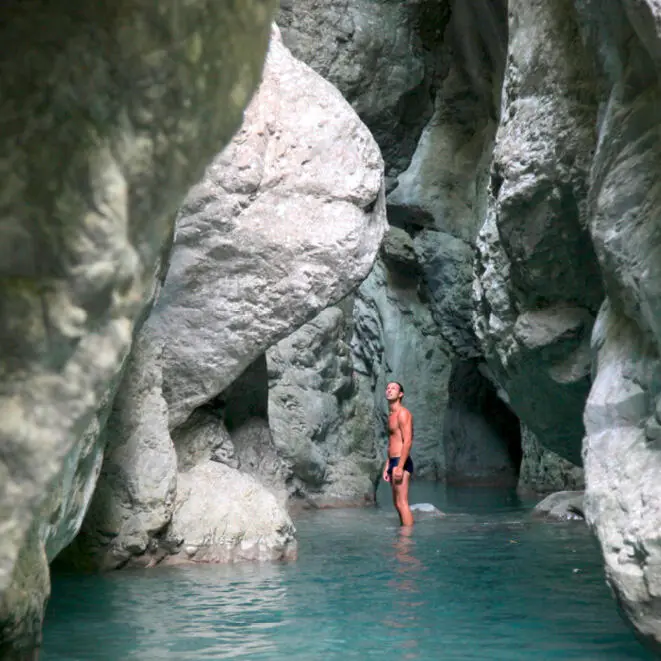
[386, 477]
[397, 474]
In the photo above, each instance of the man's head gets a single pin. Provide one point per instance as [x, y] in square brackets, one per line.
[394, 391]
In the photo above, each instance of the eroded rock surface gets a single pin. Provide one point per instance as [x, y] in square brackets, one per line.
[319, 423]
[110, 113]
[286, 221]
[381, 55]
[538, 284]
[544, 471]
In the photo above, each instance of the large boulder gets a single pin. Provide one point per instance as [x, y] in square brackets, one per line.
[224, 515]
[316, 415]
[537, 282]
[109, 114]
[286, 221]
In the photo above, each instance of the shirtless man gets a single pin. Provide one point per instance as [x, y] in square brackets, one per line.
[399, 466]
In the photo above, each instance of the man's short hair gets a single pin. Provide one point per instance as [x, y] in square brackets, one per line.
[401, 387]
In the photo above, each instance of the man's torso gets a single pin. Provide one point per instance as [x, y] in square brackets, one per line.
[395, 440]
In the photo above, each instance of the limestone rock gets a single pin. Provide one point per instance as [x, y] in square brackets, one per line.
[562, 505]
[544, 471]
[224, 515]
[537, 283]
[286, 221]
[622, 458]
[134, 498]
[319, 426]
[379, 54]
[106, 123]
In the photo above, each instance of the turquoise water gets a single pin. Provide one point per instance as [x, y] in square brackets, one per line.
[487, 582]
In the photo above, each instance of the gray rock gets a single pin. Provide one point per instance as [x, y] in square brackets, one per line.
[544, 471]
[106, 124]
[537, 280]
[623, 497]
[224, 515]
[247, 268]
[135, 493]
[562, 505]
[319, 426]
[380, 55]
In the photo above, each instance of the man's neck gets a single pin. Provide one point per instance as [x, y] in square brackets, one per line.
[394, 406]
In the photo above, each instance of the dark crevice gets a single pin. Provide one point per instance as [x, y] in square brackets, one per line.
[481, 435]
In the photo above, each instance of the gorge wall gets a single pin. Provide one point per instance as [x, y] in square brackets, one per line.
[515, 290]
[111, 112]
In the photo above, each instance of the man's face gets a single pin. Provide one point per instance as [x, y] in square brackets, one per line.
[392, 392]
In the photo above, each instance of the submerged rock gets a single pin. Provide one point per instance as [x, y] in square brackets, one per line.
[426, 510]
[562, 505]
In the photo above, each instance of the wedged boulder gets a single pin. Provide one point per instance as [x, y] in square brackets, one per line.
[224, 515]
[286, 221]
[562, 506]
[380, 55]
[319, 425]
[537, 280]
[107, 121]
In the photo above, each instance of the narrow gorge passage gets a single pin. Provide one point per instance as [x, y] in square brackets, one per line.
[225, 226]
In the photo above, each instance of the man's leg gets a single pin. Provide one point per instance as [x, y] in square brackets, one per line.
[400, 493]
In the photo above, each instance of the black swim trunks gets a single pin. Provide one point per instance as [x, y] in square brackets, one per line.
[394, 461]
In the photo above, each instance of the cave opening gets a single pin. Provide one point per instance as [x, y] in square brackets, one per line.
[481, 434]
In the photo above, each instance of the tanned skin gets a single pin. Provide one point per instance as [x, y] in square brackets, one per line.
[400, 439]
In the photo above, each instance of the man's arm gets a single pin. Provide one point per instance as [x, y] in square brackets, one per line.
[405, 420]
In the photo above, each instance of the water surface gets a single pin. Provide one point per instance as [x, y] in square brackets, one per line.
[487, 582]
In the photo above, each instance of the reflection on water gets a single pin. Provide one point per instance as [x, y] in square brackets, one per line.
[408, 602]
[485, 582]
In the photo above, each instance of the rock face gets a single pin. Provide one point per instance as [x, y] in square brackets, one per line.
[111, 113]
[380, 55]
[622, 455]
[537, 284]
[286, 221]
[319, 424]
[396, 339]
[543, 471]
[573, 215]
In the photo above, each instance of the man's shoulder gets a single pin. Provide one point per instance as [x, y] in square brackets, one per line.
[404, 413]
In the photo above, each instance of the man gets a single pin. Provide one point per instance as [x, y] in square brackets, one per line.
[399, 466]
